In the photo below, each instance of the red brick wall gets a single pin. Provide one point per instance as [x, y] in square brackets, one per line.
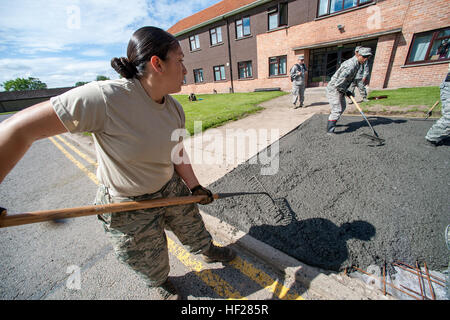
[388, 70]
[421, 16]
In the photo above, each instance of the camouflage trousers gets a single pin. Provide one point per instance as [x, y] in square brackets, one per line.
[298, 93]
[361, 87]
[138, 237]
[337, 103]
[441, 128]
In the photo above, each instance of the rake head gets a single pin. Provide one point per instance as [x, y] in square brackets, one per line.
[373, 138]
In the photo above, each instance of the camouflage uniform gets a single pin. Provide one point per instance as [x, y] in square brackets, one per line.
[441, 129]
[338, 85]
[298, 83]
[138, 237]
[363, 73]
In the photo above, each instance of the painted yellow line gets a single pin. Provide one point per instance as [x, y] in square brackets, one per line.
[220, 286]
[76, 162]
[263, 279]
[78, 152]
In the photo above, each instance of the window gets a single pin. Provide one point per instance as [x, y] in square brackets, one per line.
[277, 66]
[245, 69]
[430, 46]
[219, 73]
[198, 75]
[242, 27]
[277, 16]
[331, 6]
[215, 35]
[195, 42]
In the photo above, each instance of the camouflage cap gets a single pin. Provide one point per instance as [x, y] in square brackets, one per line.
[364, 51]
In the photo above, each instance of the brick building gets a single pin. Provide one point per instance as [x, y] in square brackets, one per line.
[242, 45]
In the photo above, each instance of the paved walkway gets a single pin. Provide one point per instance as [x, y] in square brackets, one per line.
[208, 151]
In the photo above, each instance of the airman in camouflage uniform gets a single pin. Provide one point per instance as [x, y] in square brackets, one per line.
[360, 79]
[338, 86]
[441, 128]
[297, 74]
[138, 237]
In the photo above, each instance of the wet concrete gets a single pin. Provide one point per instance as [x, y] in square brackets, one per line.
[344, 200]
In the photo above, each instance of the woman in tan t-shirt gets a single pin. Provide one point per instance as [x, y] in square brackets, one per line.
[113, 111]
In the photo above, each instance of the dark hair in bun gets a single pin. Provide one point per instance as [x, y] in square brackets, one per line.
[124, 67]
[145, 43]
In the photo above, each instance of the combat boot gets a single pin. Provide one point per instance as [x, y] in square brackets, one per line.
[168, 291]
[331, 126]
[218, 254]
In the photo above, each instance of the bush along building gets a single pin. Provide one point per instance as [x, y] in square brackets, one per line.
[243, 45]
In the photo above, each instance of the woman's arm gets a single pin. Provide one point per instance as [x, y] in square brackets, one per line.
[19, 132]
[185, 171]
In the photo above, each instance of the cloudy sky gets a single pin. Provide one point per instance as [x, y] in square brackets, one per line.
[62, 42]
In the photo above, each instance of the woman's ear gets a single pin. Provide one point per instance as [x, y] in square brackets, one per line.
[156, 64]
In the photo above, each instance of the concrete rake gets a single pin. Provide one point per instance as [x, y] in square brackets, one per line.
[375, 137]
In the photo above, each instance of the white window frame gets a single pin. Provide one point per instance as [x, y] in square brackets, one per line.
[220, 72]
[198, 75]
[215, 36]
[194, 42]
[241, 28]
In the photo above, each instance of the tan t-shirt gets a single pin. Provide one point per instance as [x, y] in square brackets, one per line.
[132, 133]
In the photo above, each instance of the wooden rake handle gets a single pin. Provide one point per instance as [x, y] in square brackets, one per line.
[48, 215]
[431, 109]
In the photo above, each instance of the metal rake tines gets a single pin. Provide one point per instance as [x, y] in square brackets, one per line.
[270, 205]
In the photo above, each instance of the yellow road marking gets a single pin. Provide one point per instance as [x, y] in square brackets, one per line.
[78, 152]
[77, 163]
[219, 285]
[263, 279]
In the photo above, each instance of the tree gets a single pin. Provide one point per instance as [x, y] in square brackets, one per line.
[101, 78]
[20, 84]
[80, 83]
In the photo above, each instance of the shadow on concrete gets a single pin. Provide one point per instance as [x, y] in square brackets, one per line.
[320, 248]
[315, 241]
[374, 121]
[316, 104]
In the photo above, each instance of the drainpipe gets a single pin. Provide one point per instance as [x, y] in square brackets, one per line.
[229, 56]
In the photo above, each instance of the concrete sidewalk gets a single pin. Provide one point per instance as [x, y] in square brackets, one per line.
[208, 151]
[211, 160]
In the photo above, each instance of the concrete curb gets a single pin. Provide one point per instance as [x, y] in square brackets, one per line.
[328, 285]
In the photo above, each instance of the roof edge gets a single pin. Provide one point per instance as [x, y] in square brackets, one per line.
[223, 16]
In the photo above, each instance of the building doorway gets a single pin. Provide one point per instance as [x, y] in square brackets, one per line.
[324, 62]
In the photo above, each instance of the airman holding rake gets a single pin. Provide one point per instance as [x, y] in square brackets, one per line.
[132, 120]
[338, 86]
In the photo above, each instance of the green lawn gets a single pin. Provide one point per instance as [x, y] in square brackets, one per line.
[216, 109]
[408, 98]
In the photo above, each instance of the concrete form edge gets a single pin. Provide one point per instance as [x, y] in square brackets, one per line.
[314, 279]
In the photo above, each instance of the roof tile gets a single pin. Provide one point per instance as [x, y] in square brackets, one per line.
[209, 13]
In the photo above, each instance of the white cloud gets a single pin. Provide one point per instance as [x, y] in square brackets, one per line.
[55, 72]
[62, 42]
[94, 53]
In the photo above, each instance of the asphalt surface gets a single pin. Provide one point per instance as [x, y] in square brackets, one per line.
[342, 200]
